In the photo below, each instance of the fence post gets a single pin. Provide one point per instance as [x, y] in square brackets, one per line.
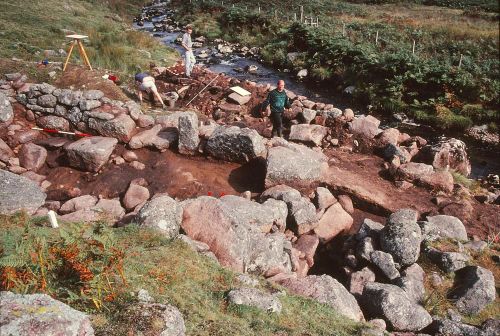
[343, 28]
[413, 49]
[294, 16]
[301, 14]
[376, 38]
[460, 61]
[259, 9]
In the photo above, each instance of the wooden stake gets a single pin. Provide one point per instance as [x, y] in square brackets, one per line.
[413, 49]
[301, 14]
[343, 29]
[376, 38]
[460, 61]
[69, 54]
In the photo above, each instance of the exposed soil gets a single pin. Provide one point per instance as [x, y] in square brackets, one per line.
[180, 176]
[84, 79]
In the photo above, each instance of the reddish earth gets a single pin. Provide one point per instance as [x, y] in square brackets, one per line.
[179, 176]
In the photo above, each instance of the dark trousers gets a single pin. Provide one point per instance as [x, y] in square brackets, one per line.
[277, 119]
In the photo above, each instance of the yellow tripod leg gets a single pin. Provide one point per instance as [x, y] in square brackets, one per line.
[69, 55]
[84, 54]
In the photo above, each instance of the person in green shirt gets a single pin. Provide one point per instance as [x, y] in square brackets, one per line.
[278, 100]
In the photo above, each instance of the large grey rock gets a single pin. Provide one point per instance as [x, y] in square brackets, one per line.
[87, 105]
[401, 237]
[93, 94]
[236, 244]
[255, 298]
[474, 289]
[334, 221]
[302, 215]
[32, 157]
[369, 228]
[90, 154]
[443, 226]
[281, 192]
[69, 97]
[309, 134]
[294, 164]
[412, 282]
[365, 248]
[385, 263]
[365, 126]
[263, 216]
[6, 111]
[231, 143]
[120, 127]
[155, 319]
[162, 213]
[188, 133]
[18, 193]
[412, 171]
[157, 137]
[327, 290]
[447, 327]
[447, 154]
[47, 100]
[307, 115]
[41, 315]
[53, 122]
[393, 305]
[448, 261]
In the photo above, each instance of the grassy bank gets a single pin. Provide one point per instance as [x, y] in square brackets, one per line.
[29, 28]
[451, 80]
[95, 269]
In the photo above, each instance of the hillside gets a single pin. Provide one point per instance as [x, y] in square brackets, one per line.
[439, 65]
[36, 31]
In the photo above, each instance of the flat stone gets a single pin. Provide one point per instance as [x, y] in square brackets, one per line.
[18, 193]
[90, 154]
[310, 134]
[41, 315]
[334, 221]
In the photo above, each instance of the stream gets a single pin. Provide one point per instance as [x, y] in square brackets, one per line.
[484, 161]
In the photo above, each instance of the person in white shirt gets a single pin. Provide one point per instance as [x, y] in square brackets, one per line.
[187, 44]
[146, 83]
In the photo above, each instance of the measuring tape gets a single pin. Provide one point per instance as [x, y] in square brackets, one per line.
[48, 130]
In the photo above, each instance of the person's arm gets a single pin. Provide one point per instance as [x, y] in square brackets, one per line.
[266, 102]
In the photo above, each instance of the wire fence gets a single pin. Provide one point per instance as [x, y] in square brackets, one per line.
[306, 16]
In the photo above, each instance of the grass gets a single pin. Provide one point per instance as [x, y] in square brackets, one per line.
[128, 259]
[437, 302]
[29, 28]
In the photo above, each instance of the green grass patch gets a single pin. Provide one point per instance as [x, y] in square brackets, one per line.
[95, 268]
[29, 28]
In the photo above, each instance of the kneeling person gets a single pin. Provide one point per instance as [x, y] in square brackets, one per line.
[146, 83]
